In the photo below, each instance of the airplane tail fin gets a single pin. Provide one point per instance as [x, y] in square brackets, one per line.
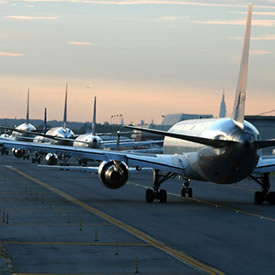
[240, 96]
[94, 118]
[28, 107]
[65, 108]
[45, 121]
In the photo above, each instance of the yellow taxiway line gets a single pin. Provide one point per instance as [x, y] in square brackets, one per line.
[76, 243]
[139, 234]
[63, 273]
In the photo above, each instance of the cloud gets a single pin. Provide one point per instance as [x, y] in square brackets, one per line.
[261, 23]
[22, 17]
[142, 2]
[173, 18]
[80, 43]
[260, 52]
[154, 2]
[11, 54]
[256, 12]
[264, 37]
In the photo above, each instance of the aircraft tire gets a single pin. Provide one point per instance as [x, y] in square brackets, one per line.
[162, 196]
[271, 197]
[149, 195]
[190, 192]
[183, 192]
[259, 197]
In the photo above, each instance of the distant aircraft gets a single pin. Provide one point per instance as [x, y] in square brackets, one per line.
[223, 150]
[92, 140]
[58, 135]
[88, 140]
[22, 132]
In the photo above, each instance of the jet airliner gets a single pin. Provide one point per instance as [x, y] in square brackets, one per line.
[223, 150]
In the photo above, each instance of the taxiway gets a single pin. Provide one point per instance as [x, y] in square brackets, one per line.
[65, 222]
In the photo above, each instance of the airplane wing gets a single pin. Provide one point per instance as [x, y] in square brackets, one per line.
[265, 165]
[171, 163]
[113, 145]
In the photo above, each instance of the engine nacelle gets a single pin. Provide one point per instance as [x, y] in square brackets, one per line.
[18, 153]
[51, 159]
[113, 174]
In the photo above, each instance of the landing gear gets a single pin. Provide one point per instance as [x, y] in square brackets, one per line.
[83, 163]
[26, 156]
[36, 158]
[4, 151]
[186, 190]
[264, 195]
[64, 159]
[149, 195]
[156, 193]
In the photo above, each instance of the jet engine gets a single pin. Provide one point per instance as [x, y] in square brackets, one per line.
[113, 174]
[18, 153]
[51, 159]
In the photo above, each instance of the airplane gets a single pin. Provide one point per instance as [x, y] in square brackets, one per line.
[58, 135]
[23, 132]
[88, 140]
[221, 150]
[94, 140]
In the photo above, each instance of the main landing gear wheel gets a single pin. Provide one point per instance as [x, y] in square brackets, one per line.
[38, 160]
[151, 196]
[162, 196]
[259, 197]
[264, 195]
[271, 197]
[156, 193]
[186, 190]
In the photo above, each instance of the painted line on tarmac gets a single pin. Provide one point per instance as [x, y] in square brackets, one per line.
[217, 205]
[76, 243]
[191, 262]
[236, 186]
[66, 273]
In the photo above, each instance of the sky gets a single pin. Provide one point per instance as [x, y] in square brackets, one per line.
[140, 58]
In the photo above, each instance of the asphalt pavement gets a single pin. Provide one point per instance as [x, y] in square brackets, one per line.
[66, 222]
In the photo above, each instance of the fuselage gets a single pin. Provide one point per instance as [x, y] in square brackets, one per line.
[57, 132]
[27, 127]
[228, 164]
[88, 141]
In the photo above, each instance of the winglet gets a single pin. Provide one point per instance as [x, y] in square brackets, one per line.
[94, 118]
[65, 108]
[45, 121]
[28, 107]
[240, 96]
